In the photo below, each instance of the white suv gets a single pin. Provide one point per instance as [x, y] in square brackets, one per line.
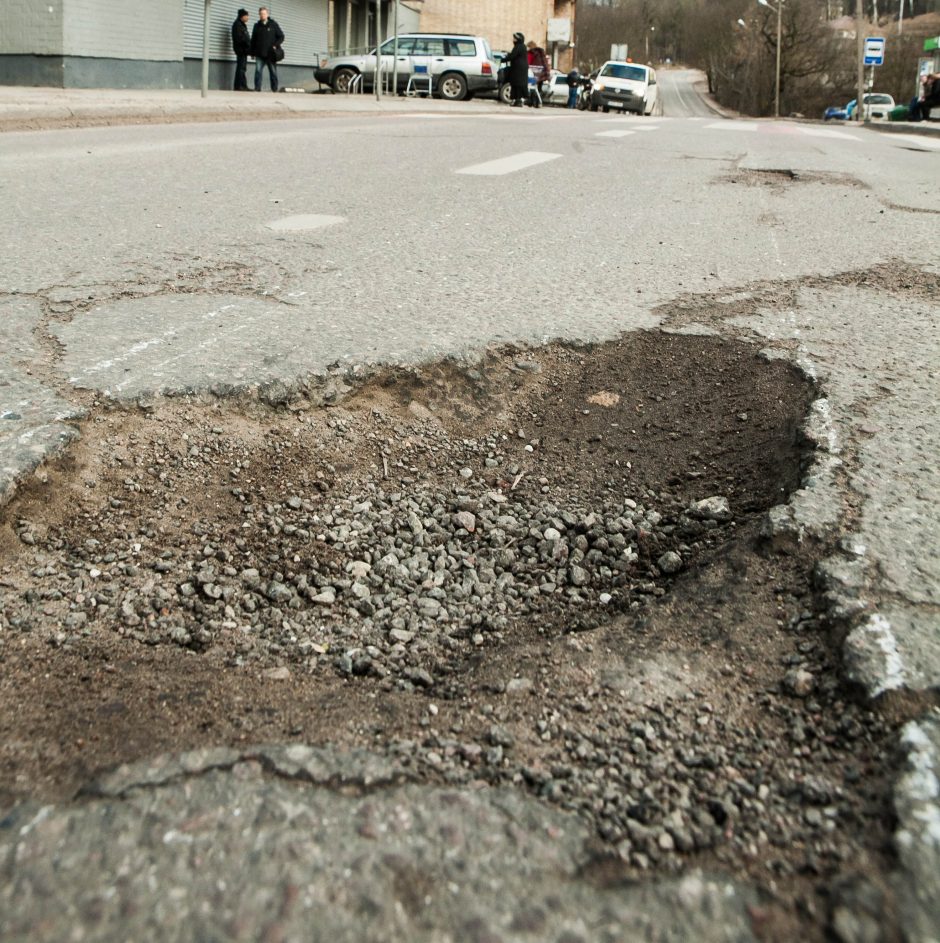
[459, 65]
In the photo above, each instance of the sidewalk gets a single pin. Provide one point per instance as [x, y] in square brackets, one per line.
[27, 109]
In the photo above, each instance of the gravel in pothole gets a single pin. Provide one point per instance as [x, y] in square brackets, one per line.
[540, 570]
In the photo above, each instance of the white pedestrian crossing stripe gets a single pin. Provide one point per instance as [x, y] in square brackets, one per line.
[508, 165]
[919, 139]
[829, 133]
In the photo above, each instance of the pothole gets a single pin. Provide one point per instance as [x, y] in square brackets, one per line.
[777, 177]
[543, 571]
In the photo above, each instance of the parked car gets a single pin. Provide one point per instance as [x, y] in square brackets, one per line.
[878, 107]
[628, 86]
[459, 65]
[505, 89]
[834, 113]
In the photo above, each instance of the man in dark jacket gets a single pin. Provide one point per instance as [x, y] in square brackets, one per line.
[266, 38]
[518, 59]
[241, 46]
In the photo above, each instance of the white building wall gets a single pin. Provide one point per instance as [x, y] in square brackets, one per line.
[123, 29]
[30, 27]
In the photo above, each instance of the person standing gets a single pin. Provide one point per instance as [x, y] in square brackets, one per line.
[518, 59]
[241, 46]
[266, 39]
[573, 80]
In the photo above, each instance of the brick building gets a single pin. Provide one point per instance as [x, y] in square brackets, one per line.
[497, 20]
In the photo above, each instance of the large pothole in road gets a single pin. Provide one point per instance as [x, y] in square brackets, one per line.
[543, 570]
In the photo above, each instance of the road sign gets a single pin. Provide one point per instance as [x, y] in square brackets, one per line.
[874, 51]
[618, 51]
[559, 29]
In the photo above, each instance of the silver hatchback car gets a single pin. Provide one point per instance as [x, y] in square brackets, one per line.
[458, 65]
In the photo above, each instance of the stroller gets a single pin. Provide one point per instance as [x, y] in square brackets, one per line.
[535, 96]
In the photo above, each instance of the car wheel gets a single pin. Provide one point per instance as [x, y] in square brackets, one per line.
[341, 80]
[505, 93]
[452, 87]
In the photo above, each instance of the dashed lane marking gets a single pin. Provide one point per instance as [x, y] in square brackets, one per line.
[305, 222]
[508, 165]
[614, 133]
[733, 125]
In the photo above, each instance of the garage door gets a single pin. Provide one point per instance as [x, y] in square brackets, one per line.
[304, 23]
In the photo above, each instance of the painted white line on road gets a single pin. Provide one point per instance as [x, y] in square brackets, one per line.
[829, 133]
[513, 116]
[647, 127]
[523, 116]
[303, 223]
[615, 133]
[920, 139]
[733, 125]
[508, 165]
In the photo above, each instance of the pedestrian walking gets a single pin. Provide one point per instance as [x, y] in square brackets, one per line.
[518, 60]
[241, 46]
[266, 40]
[574, 78]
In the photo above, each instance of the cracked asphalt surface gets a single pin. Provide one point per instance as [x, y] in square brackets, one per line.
[142, 263]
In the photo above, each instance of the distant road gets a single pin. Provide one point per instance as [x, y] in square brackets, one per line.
[680, 97]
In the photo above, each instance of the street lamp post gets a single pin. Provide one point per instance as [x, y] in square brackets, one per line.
[205, 48]
[778, 8]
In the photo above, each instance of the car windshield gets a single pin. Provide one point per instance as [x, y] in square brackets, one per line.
[878, 99]
[617, 71]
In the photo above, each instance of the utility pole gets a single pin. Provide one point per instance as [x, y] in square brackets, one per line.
[395, 51]
[779, 10]
[860, 56]
[378, 50]
[205, 50]
[779, 39]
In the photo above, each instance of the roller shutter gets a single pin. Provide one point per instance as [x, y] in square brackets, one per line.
[304, 23]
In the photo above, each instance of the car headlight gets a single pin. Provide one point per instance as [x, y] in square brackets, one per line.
[600, 87]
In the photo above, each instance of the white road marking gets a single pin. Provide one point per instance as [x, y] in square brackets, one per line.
[519, 115]
[523, 116]
[921, 139]
[309, 221]
[646, 127]
[733, 125]
[508, 165]
[829, 133]
[615, 133]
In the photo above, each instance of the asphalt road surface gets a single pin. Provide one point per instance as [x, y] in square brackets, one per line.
[682, 94]
[165, 260]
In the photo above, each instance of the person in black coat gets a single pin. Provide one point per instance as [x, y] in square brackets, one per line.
[518, 59]
[266, 39]
[241, 46]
